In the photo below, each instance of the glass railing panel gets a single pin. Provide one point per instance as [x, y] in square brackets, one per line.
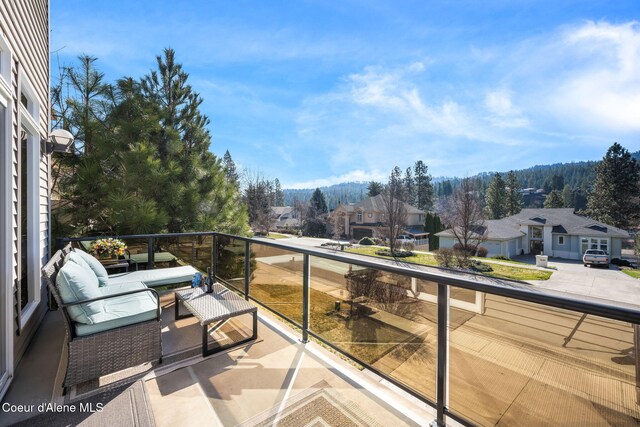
[520, 363]
[230, 261]
[195, 251]
[276, 280]
[378, 318]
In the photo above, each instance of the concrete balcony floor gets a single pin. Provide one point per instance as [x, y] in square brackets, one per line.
[246, 386]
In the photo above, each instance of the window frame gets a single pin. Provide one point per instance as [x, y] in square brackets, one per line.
[7, 285]
[561, 240]
[28, 122]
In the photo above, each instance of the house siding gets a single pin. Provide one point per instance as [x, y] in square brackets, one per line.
[25, 28]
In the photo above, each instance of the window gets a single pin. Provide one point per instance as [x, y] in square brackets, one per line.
[28, 199]
[359, 217]
[536, 232]
[561, 240]
[5, 62]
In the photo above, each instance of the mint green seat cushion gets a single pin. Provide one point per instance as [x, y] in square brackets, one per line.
[121, 311]
[77, 283]
[98, 269]
[157, 277]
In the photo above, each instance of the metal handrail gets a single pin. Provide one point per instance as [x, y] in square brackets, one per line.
[442, 277]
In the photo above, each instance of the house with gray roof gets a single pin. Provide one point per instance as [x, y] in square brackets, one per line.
[363, 219]
[554, 232]
[287, 219]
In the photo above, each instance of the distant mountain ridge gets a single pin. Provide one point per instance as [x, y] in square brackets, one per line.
[577, 175]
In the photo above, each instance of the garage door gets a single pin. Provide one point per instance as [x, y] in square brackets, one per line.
[359, 233]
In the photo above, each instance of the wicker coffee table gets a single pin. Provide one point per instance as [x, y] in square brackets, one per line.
[215, 308]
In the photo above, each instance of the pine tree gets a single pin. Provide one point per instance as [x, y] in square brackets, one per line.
[315, 223]
[554, 200]
[615, 198]
[374, 188]
[198, 196]
[497, 198]
[514, 197]
[318, 202]
[424, 188]
[148, 169]
[230, 168]
[279, 194]
[409, 187]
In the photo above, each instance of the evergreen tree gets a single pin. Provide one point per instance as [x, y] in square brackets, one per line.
[433, 225]
[497, 198]
[279, 194]
[557, 182]
[230, 168]
[318, 202]
[423, 187]
[409, 187]
[568, 197]
[554, 200]
[258, 201]
[514, 198]
[315, 223]
[615, 198]
[374, 188]
[148, 169]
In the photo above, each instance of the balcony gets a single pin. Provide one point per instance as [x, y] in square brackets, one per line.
[385, 343]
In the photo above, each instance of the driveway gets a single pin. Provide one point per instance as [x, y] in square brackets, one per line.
[608, 284]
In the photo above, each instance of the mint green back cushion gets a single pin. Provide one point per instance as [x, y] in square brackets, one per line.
[76, 283]
[75, 257]
[98, 269]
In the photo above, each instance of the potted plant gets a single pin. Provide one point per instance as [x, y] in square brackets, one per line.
[108, 248]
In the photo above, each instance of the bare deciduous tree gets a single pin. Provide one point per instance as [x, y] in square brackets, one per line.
[394, 208]
[463, 214]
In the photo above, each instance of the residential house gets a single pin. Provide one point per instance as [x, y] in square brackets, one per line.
[554, 232]
[286, 217]
[24, 176]
[363, 219]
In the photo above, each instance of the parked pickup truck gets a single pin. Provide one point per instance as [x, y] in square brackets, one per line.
[595, 257]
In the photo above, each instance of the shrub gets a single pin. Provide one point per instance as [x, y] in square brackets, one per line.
[462, 259]
[501, 257]
[471, 250]
[367, 241]
[620, 262]
[480, 267]
[378, 241]
[408, 246]
[482, 252]
[395, 254]
[444, 257]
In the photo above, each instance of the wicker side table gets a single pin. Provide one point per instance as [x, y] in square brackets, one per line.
[215, 308]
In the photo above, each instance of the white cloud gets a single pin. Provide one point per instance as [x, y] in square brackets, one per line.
[352, 176]
[502, 112]
[602, 90]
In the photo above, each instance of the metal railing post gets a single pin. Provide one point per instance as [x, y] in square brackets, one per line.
[150, 253]
[214, 255]
[306, 276]
[247, 268]
[442, 359]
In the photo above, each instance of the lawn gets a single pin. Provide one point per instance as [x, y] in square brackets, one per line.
[278, 236]
[633, 273]
[499, 270]
[365, 338]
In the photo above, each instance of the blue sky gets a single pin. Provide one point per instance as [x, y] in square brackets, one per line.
[320, 92]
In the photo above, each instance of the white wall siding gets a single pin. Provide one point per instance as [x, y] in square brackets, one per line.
[25, 28]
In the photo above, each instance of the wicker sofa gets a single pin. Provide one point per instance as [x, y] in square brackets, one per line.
[111, 322]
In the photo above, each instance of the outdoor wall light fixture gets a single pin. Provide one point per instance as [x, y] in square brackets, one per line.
[59, 141]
